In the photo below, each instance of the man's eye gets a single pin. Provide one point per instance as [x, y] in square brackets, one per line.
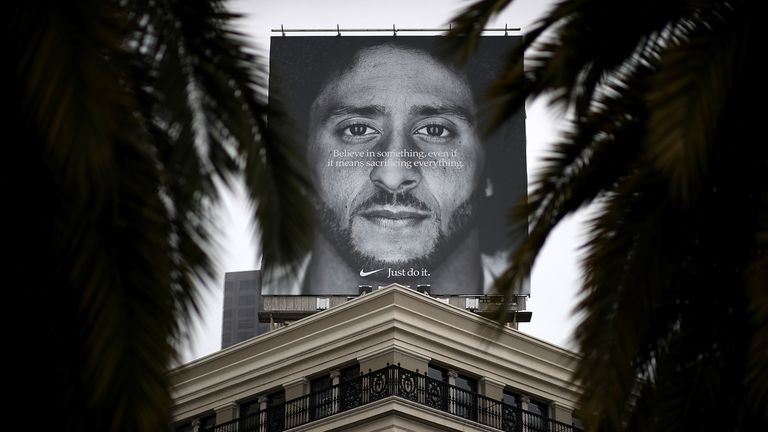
[434, 131]
[359, 130]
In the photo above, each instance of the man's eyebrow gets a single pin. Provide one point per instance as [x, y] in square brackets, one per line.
[363, 111]
[450, 109]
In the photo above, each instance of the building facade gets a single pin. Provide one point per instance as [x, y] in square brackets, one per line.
[394, 359]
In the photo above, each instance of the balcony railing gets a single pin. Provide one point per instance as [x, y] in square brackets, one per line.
[398, 382]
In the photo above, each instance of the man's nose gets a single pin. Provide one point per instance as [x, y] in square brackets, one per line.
[393, 175]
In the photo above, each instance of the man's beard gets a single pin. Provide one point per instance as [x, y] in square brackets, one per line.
[460, 224]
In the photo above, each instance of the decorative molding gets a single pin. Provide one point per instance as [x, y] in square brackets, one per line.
[393, 349]
[298, 381]
[393, 321]
[492, 382]
[228, 405]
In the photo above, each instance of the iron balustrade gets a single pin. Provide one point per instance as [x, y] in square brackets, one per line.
[394, 381]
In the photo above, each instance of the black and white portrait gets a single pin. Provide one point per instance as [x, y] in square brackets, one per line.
[408, 186]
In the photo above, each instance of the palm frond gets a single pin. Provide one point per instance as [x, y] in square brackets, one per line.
[274, 169]
[692, 81]
[575, 173]
[657, 92]
[131, 114]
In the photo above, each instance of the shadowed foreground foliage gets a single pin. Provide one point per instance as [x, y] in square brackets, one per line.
[125, 115]
[668, 141]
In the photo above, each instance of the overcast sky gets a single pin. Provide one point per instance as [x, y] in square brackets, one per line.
[555, 277]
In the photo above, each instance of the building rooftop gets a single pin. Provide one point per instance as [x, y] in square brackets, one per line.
[390, 326]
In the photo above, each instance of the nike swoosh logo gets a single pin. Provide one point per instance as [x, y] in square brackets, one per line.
[365, 273]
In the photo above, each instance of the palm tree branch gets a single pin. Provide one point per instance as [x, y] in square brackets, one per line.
[690, 85]
[572, 164]
[274, 170]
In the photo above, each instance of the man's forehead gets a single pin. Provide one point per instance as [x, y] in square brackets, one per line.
[386, 73]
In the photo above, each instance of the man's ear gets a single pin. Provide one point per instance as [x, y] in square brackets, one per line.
[488, 187]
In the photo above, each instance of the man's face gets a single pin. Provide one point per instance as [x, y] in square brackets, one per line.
[397, 107]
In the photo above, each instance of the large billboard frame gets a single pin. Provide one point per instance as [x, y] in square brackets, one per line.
[304, 68]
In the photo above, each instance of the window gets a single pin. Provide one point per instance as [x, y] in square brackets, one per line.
[249, 416]
[461, 399]
[183, 427]
[511, 416]
[511, 399]
[521, 410]
[465, 397]
[326, 400]
[577, 424]
[248, 408]
[247, 300]
[246, 324]
[247, 285]
[241, 336]
[321, 399]
[208, 422]
[246, 320]
[471, 303]
[276, 411]
[323, 303]
[538, 421]
[246, 313]
[538, 407]
[350, 388]
[437, 373]
[437, 387]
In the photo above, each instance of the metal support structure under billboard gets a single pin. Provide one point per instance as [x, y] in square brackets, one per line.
[394, 30]
[278, 310]
[408, 185]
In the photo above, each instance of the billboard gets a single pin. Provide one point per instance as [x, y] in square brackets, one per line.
[408, 186]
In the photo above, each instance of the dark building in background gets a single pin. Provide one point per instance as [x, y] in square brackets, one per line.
[242, 302]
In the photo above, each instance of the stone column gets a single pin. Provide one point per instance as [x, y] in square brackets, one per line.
[561, 413]
[296, 388]
[491, 389]
[452, 375]
[263, 413]
[226, 412]
[296, 413]
[490, 413]
[524, 419]
[335, 393]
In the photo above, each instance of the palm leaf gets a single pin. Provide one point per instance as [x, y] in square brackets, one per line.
[131, 114]
[659, 142]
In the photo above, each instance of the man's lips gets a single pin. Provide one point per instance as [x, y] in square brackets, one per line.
[396, 216]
